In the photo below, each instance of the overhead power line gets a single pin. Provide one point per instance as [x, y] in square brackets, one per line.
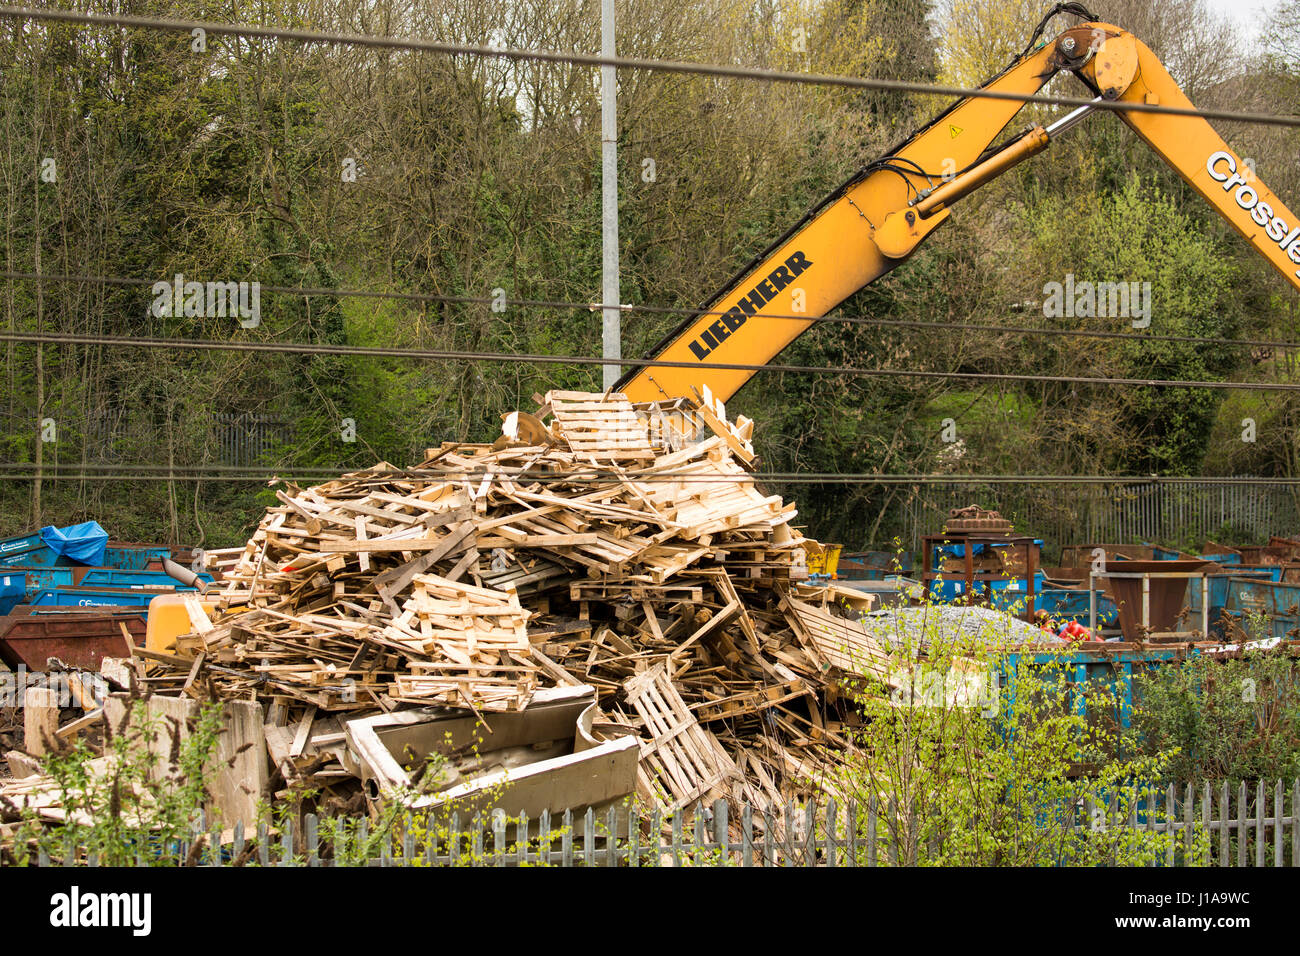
[621, 62]
[26, 471]
[456, 355]
[22, 471]
[314, 291]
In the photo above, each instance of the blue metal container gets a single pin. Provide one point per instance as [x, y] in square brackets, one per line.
[873, 565]
[1091, 664]
[30, 550]
[1068, 604]
[41, 556]
[1009, 594]
[1219, 595]
[120, 578]
[953, 585]
[1279, 602]
[1274, 570]
[133, 558]
[11, 548]
[38, 578]
[13, 590]
[1094, 663]
[885, 560]
[42, 578]
[94, 597]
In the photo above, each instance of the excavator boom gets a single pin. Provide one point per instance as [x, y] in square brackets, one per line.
[878, 217]
[1199, 155]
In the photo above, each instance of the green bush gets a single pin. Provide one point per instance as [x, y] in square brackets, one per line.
[133, 805]
[974, 757]
[1234, 719]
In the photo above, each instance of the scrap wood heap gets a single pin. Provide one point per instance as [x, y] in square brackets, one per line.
[596, 542]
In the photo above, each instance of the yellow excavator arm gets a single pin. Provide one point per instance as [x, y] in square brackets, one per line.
[878, 217]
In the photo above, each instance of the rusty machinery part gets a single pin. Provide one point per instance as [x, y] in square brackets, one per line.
[1113, 53]
[974, 518]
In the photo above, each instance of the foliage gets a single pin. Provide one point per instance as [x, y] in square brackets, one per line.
[1281, 36]
[1138, 235]
[979, 39]
[475, 174]
[1233, 719]
[135, 804]
[974, 757]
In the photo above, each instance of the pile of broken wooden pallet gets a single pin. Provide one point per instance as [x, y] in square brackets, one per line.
[597, 542]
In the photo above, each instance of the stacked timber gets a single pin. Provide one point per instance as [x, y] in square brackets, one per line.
[595, 543]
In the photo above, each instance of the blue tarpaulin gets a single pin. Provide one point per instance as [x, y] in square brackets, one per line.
[81, 542]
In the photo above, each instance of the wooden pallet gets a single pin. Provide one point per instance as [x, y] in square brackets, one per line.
[602, 427]
[685, 758]
[839, 642]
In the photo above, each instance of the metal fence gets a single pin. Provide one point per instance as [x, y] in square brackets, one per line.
[1202, 825]
[244, 439]
[114, 435]
[1166, 512]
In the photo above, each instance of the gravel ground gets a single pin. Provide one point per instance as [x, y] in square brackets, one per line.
[923, 624]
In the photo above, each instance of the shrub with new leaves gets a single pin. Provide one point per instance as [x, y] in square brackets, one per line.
[974, 754]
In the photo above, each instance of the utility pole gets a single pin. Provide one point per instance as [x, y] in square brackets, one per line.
[611, 335]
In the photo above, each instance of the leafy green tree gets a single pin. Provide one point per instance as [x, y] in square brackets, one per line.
[971, 755]
[1139, 236]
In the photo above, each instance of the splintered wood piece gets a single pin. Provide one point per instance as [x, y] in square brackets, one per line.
[714, 415]
[364, 557]
[40, 720]
[199, 619]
